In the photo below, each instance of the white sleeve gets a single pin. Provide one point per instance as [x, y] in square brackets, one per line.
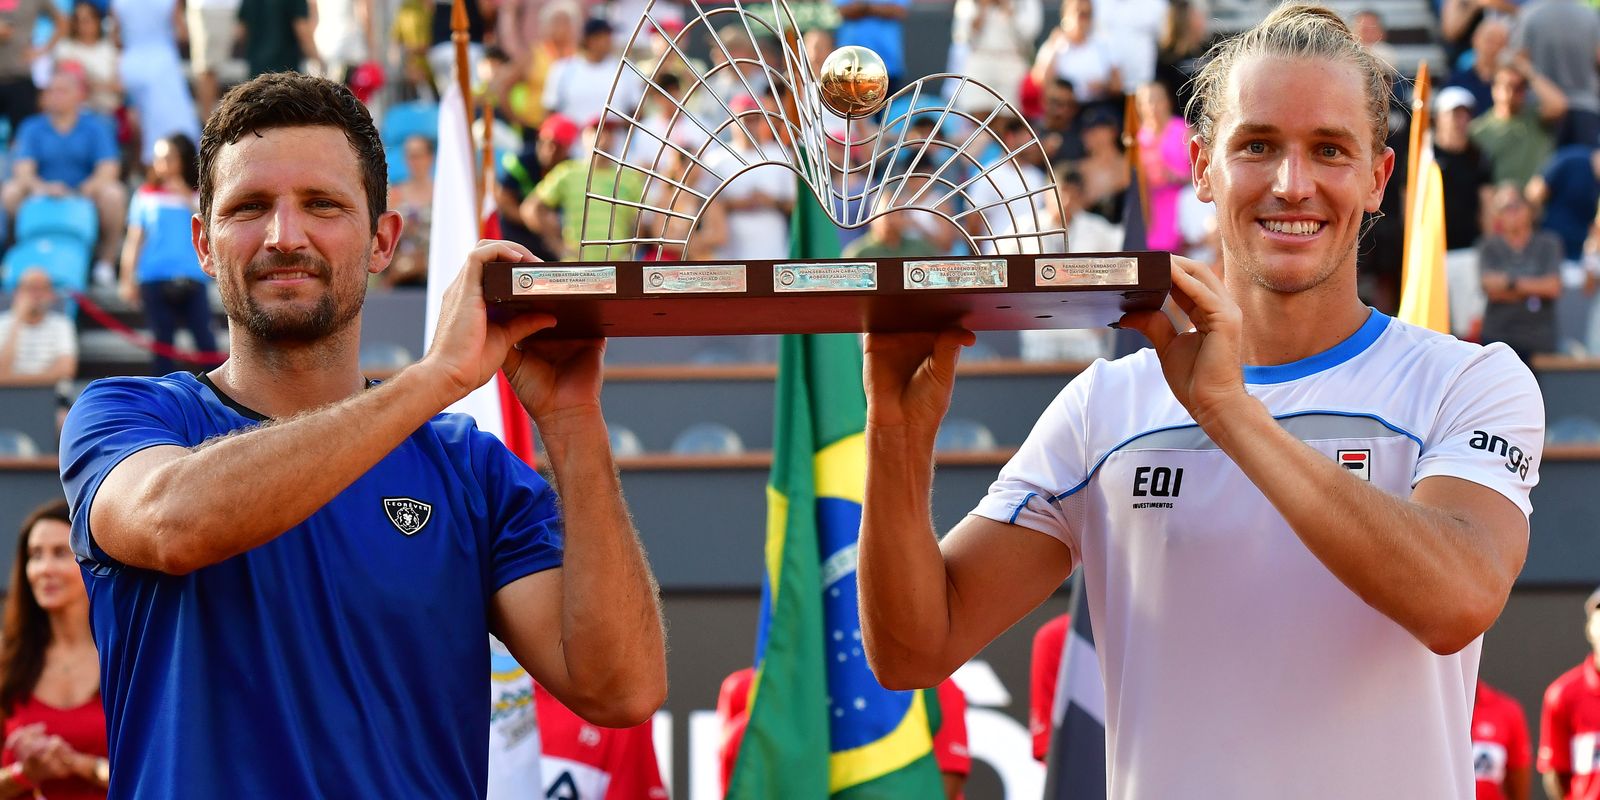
[552, 89]
[1490, 428]
[1050, 467]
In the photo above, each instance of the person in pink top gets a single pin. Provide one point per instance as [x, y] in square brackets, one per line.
[1163, 164]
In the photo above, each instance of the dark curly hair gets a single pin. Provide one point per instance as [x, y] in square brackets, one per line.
[291, 100]
[27, 626]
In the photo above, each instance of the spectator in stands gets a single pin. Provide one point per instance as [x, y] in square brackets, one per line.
[160, 270]
[1468, 182]
[68, 150]
[1569, 192]
[757, 200]
[876, 25]
[55, 725]
[1104, 167]
[90, 48]
[1369, 28]
[563, 198]
[412, 199]
[1521, 268]
[518, 175]
[1459, 24]
[1562, 39]
[441, 55]
[345, 35]
[1489, 41]
[19, 97]
[1061, 127]
[278, 36]
[152, 75]
[1502, 759]
[38, 346]
[1074, 53]
[1132, 28]
[580, 760]
[1569, 724]
[993, 42]
[895, 234]
[213, 26]
[709, 233]
[1180, 48]
[556, 38]
[577, 85]
[1516, 134]
[1163, 164]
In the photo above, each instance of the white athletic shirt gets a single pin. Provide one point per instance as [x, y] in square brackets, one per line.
[1236, 665]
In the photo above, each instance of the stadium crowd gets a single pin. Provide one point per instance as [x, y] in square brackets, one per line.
[101, 105]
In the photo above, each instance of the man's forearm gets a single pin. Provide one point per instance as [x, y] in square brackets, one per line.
[905, 611]
[238, 492]
[611, 621]
[1396, 555]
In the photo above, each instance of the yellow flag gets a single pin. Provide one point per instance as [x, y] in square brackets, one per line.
[1424, 300]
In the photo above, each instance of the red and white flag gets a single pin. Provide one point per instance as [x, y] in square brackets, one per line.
[452, 236]
[513, 728]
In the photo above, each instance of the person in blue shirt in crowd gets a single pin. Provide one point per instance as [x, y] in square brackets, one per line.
[292, 570]
[877, 25]
[66, 149]
[160, 270]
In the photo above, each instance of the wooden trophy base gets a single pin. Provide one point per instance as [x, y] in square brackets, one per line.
[711, 298]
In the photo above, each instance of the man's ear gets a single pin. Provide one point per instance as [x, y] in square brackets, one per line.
[385, 240]
[201, 237]
[1382, 170]
[1200, 161]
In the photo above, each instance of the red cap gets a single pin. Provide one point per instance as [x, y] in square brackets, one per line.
[560, 130]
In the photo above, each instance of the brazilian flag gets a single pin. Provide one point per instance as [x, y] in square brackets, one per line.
[820, 725]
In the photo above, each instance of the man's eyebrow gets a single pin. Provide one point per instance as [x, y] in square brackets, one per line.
[1265, 129]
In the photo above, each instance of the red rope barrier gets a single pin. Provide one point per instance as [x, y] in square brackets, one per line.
[111, 323]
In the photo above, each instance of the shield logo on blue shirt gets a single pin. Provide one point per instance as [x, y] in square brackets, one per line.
[407, 515]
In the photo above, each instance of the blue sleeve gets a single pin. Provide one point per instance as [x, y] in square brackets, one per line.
[104, 141]
[111, 420]
[26, 144]
[524, 514]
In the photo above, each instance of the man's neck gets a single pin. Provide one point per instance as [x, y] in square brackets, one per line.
[279, 381]
[64, 120]
[1282, 328]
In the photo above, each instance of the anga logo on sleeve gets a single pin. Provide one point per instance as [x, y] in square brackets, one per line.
[407, 515]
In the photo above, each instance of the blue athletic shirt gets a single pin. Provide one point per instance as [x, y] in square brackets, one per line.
[168, 250]
[346, 657]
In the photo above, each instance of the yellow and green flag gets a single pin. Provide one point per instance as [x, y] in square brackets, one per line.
[820, 725]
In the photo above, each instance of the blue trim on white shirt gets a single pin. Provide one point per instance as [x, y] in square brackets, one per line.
[1351, 347]
[1125, 442]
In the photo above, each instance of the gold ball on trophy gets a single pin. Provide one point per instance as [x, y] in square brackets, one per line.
[854, 81]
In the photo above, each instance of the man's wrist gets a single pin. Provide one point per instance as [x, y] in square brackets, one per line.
[570, 422]
[1222, 417]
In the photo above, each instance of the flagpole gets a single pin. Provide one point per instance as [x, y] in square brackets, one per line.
[486, 167]
[1419, 129]
[459, 37]
[1130, 142]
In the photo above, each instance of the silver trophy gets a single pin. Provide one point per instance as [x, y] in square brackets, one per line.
[947, 154]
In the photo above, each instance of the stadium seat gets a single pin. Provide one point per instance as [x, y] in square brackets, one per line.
[384, 356]
[72, 217]
[624, 442]
[963, 435]
[66, 259]
[16, 444]
[1573, 430]
[407, 119]
[707, 439]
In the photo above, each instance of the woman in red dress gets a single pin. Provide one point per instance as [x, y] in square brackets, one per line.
[55, 726]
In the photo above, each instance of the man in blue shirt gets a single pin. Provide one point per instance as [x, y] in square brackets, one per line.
[293, 572]
[66, 150]
[876, 25]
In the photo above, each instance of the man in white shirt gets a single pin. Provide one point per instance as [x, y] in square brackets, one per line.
[1295, 521]
[578, 85]
[38, 346]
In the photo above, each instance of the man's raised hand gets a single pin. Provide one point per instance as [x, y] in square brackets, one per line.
[1203, 365]
[909, 378]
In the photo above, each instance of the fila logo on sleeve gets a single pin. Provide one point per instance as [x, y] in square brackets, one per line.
[1358, 462]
